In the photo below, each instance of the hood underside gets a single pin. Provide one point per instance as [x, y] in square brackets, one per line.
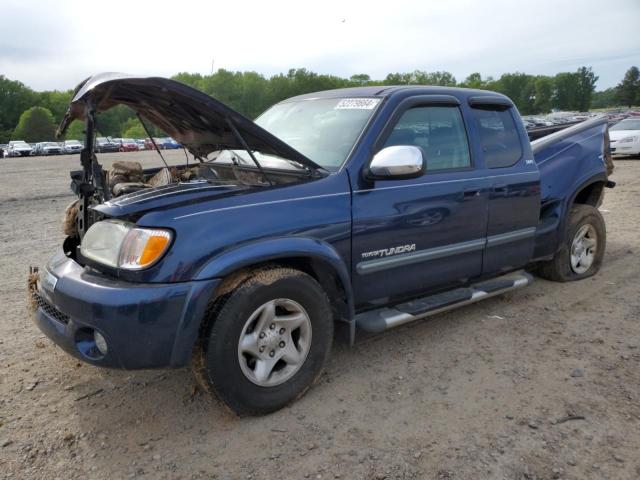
[193, 118]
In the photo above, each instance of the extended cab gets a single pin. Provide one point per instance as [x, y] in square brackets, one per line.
[342, 212]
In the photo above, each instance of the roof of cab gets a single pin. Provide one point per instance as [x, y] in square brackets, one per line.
[388, 90]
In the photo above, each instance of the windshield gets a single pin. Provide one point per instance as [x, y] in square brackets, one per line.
[322, 129]
[20, 144]
[629, 124]
[72, 142]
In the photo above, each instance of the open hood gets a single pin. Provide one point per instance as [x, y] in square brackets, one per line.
[193, 118]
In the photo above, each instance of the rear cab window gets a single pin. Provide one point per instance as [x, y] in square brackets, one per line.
[499, 136]
[439, 131]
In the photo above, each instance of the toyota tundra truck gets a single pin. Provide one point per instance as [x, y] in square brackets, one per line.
[334, 214]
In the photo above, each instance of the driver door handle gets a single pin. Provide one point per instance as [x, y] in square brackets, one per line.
[470, 193]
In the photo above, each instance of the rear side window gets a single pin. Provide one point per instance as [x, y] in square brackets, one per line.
[498, 137]
[439, 131]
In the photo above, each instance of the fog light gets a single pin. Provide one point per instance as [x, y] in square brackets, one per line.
[101, 342]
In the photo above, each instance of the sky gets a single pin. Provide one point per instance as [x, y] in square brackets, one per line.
[55, 44]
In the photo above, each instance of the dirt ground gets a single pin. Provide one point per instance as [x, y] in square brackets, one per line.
[541, 383]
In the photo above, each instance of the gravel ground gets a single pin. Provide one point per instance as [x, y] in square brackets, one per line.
[537, 384]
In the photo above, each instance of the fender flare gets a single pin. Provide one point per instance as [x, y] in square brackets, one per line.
[598, 177]
[273, 249]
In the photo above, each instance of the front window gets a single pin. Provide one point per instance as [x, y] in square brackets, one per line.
[629, 124]
[438, 131]
[322, 129]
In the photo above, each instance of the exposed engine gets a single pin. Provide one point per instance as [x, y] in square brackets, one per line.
[127, 177]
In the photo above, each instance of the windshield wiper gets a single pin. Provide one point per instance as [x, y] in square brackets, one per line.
[246, 147]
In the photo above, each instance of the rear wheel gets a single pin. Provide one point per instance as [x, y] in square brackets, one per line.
[268, 341]
[582, 249]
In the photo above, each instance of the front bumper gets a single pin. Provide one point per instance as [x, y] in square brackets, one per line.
[145, 325]
[626, 148]
[22, 153]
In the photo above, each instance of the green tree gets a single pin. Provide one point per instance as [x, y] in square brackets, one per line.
[586, 86]
[254, 94]
[543, 94]
[520, 88]
[56, 102]
[474, 80]
[35, 125]
[397, 79]
[192, 79]
[605, 98]
[15, 98]
[420, 77]
[109, 123]
[360, 79]
[566, 91]
[628, 90]
[75, 131]
[443, 79]
[134, 132]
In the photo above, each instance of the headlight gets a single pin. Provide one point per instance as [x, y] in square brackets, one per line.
[123, 245]
[626, 140]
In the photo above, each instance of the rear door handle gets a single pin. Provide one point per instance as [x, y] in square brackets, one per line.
[470, 193]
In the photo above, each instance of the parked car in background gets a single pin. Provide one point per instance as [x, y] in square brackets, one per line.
[128, 145]
[19, 148]
[48, 148]
[625, 137]
[168, 143]
[148, 144]
[104, 145]
[3, 148]
[141, 144]
[72, 146]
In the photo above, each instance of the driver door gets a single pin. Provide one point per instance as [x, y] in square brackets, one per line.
[427, 233]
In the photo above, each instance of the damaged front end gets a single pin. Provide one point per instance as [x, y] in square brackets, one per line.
[201, 124]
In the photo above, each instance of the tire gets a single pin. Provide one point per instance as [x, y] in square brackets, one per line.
[235, 371]
[582, 218]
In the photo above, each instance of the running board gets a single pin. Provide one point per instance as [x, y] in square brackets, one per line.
[376, 321]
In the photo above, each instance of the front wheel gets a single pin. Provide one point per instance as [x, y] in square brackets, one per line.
[582, 249]
[268, 341]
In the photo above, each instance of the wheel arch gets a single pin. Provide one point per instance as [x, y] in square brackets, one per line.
[311, 256]
[588, 192]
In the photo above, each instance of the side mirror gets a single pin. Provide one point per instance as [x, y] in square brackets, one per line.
[397, 162]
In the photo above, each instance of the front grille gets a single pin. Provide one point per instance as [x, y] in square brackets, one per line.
[49, 309]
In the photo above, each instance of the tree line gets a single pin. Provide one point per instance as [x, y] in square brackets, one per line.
[32, 116]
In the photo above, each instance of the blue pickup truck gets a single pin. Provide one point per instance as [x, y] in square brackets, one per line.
[334, 214]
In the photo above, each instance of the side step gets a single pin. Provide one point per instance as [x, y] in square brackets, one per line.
[376, 321]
